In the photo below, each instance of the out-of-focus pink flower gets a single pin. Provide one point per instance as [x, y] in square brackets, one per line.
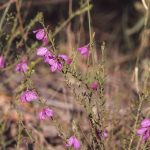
[94, 85]
[46, 113]
[144, 130]
[41, 35]
[55, 62]
[2, 62]
[73, 142]
[103, 134]
[28, 96]
[84, 50]
[42, 51]
[22, 66]
[65, 58]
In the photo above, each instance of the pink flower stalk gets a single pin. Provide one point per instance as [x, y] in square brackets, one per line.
[144, 130]
[22, 66]
[41, 35]
[94, 85]
[2, 62]
[28, 96]
[73, 142]
[46, 113]
[84, 50]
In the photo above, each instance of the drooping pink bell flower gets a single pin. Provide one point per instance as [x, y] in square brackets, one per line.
[46, 113]
[144, 130]
[84, 50]
[22, 66]
[2, 62]
[41, 35]
[28, 96]
[94, 85]
[73, 142]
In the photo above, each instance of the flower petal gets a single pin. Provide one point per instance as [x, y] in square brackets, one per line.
[76, 143]
[49, 112]
[40, 34]
[2, 62]
[70, 141]
[41, 51]
[145, 123]
[141, 131]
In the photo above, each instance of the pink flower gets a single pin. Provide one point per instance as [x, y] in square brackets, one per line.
[22, 66]
[94, 85]
[73, 142]
[55, 62]
[28, 96]
[103, 134]
[84, 50]
[46, 113]
[41, 35]
[41, 51]
[65, 58]
[144, 131]
[55, 65]
[2, 62]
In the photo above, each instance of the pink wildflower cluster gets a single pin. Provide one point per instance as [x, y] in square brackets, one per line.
[55, 62]
[144, 130]
[29, 96]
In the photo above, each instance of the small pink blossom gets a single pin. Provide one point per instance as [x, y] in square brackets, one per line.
[42, 51]
[22, 66]
[28, 96]
[48, 57]
[103, 134]
[46, 113]
[73, 142]
[84, 50]
[65, 58]
[144, 131]
[55, 65]
[2, 62]
[94, 85]
[41, 35]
